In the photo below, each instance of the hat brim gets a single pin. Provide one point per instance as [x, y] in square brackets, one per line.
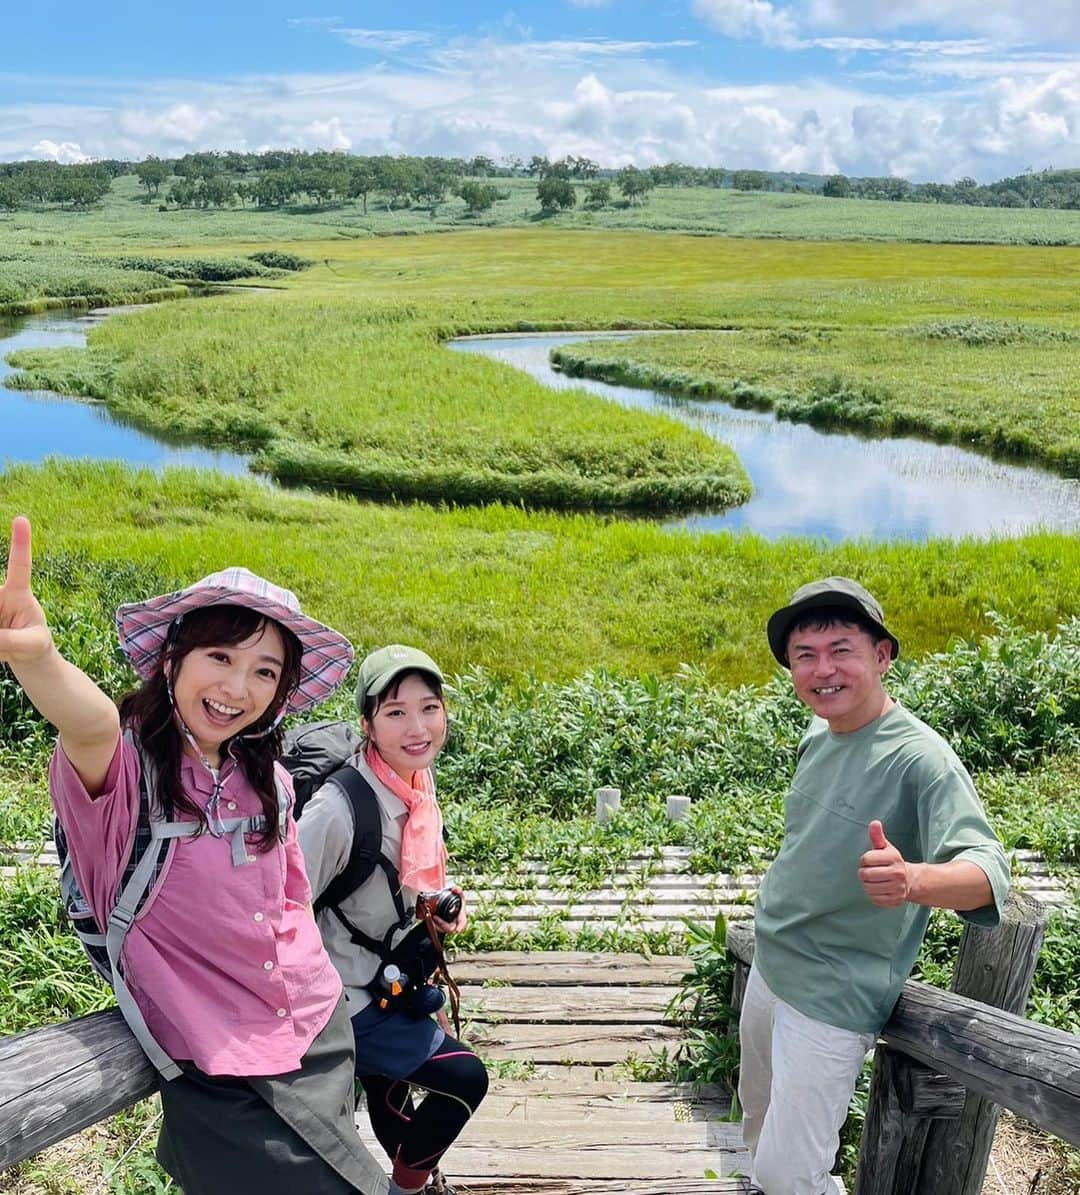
[386, 678]
[326, 655]
[779, 624]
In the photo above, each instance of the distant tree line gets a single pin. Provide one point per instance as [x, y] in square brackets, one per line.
[284, 177]
[1042, 189]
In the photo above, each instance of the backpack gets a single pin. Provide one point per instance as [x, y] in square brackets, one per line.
[317, 754]
[143, 872]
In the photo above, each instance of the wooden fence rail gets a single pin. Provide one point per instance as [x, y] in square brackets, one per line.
[946, 1063]
[60, 1079]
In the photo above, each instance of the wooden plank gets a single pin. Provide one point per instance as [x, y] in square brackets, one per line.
[639, 1121]
[558, 968]
[584, 1133]
[595, 1045]
[1030, 1069]
[552, 1158]
[486, 1185]
[676, 927]
[570, 1004]
[662, 882]
[559, 1085]
[657, 910]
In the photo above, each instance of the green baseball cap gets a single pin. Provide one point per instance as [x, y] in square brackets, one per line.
[382, 667]
[832, 591]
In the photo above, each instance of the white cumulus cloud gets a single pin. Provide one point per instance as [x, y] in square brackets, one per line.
[748, 19]
[66, 152]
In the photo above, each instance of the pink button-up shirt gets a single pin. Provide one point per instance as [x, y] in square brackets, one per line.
[225, 963]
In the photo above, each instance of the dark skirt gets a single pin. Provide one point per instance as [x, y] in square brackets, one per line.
[279, 1134]
[393, 1044]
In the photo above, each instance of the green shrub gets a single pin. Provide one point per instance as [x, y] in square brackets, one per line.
[194, 269]
[281, 259]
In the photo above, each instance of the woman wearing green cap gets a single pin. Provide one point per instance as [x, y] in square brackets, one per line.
[372, 933]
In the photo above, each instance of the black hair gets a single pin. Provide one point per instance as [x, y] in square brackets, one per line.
[373, 701]
[821, 618]
[148, 710]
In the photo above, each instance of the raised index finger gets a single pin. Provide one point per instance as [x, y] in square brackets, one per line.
[19, 567]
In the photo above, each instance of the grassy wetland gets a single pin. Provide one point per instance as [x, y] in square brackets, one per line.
[628, 653]
[1007, 387]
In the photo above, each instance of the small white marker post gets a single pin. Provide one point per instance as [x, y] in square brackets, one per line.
[678, 808]
[608, 801]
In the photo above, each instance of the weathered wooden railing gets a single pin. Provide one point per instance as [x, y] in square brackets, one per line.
[951, 1060]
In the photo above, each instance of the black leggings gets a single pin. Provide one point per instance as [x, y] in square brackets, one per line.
[415, 1136]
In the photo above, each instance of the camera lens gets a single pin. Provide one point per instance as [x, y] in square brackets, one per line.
[448, 906]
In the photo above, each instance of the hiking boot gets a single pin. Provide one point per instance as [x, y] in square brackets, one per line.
[437, 1185]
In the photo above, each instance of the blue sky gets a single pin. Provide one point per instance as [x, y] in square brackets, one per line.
[927, 88]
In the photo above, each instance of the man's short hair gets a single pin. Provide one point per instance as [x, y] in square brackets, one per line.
[855, 605]
[825, 617]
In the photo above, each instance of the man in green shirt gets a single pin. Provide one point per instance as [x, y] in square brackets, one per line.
[882, 824]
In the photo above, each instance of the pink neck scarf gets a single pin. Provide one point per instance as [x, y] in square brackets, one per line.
[423, 852]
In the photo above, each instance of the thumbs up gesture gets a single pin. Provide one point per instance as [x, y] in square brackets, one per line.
[883, 872]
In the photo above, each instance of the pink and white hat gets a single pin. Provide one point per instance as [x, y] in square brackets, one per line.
[144, 627]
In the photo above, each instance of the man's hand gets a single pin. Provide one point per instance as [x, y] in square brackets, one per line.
[883, 872]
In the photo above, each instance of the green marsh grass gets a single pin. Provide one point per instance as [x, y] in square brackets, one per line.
[1007, 388]
[525, 592]
[364, 398]
[344, 382]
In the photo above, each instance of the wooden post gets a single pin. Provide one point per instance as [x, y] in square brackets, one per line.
[678, 808]
[995, 967]
[740, 944]
[924, 1134]
[608, 801]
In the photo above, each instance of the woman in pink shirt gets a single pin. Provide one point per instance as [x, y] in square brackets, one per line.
[221, 975]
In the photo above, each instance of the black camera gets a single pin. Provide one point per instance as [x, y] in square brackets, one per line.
[446, 905]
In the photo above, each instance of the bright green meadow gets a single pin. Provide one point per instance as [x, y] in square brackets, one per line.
[125, 220]
[453, 502]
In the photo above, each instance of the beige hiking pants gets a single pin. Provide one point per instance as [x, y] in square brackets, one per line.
[795, 1083]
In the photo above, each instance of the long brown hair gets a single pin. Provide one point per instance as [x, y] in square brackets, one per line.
[149, 712]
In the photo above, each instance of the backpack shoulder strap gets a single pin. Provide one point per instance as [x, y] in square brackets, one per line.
[143, 868]
[365, 854]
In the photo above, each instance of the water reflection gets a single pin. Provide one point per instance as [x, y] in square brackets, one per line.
[839, 486]
[35, 424]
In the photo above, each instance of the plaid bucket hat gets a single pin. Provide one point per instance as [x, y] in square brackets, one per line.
[326, 656]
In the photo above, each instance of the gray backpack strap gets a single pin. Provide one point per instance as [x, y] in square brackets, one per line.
[235, 827]
[120, 919]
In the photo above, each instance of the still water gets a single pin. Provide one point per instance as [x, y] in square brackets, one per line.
[35, 424]
[806, 482]
[834, 485]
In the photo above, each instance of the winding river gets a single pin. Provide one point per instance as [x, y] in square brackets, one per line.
[832, 484]
[806, 482]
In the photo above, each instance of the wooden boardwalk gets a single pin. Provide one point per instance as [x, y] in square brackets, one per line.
[578, 1123]
[651, 893]
[564, 1115]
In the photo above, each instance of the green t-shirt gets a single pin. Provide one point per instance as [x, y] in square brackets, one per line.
[821, 946]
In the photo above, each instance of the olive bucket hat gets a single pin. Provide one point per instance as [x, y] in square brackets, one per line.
[379, 670]
[836, 592]
[326, 656]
